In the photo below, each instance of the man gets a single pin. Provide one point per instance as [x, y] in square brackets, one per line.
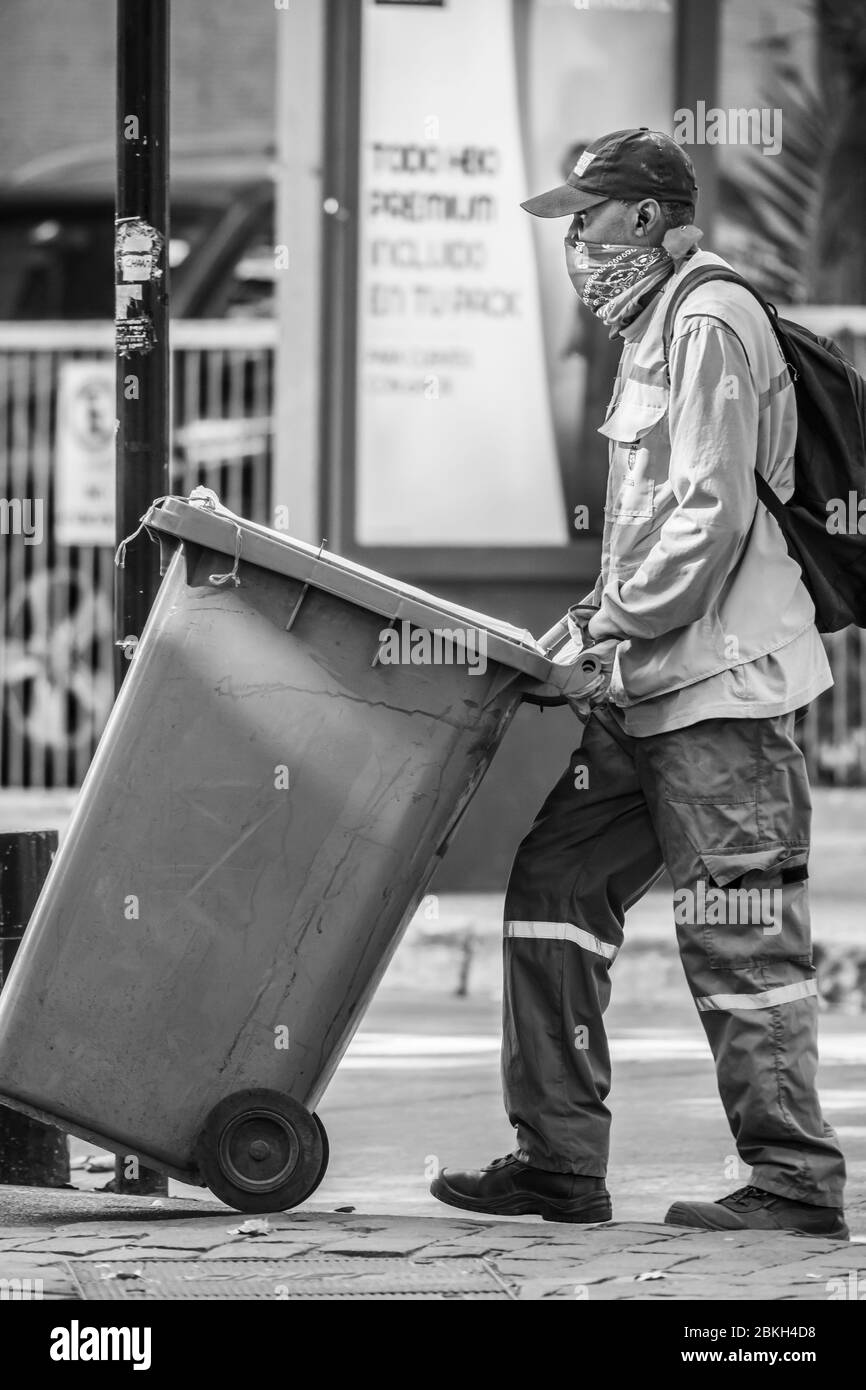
[688, 759]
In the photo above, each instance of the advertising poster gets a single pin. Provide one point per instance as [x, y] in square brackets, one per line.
[455, 438]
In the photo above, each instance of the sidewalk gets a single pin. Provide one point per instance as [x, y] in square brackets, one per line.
[424, 1074]
[86, 1247]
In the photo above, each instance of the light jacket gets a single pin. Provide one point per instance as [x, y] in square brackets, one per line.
[695, 574]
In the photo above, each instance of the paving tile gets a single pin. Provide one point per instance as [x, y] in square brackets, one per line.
[319, 1223]
[127, 1230]
[375, 1245]
[69, 1245]
[13, 1237]
[594, 1238]
[121, 1231]
[568, 1230]
[589, 1272]
[12, 1264]
[426, 1230]
[506, 1243]
[540, 1254]
[718, 1270]
[183, 1239]
[695, 1248]
[765, 1292]
[755, 1258]
[134, 1253]
[238, 1249]
[843, 1257]
[799, 1270]
[365, 1226]
[651, 1228]
[611, 1292]
[784, 1242]
[630, 1261]
[475, 1245]
[274, 1250]
[541, 1289]
[555, 1276]
[291, 1239]
[441, 1250]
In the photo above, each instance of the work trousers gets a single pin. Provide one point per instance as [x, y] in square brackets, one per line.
[725, 805]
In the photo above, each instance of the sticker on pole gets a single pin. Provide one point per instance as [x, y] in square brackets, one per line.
[138, 250]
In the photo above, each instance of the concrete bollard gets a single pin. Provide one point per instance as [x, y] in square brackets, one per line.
[32, 1154]
[134, 1179]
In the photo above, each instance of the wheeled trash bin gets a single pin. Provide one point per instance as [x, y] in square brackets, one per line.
[292, 747]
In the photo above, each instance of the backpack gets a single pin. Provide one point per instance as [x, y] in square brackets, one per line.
[822, 519]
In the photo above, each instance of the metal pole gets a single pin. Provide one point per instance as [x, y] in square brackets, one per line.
[300, 109]
[32, 1154]
[141, 342]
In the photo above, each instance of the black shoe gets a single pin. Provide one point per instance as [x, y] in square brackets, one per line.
[753, 1209]
[508, 1187]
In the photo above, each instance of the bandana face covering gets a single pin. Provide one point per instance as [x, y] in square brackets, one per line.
[617, 282]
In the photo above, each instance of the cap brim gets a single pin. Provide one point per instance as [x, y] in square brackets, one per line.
[563, 201]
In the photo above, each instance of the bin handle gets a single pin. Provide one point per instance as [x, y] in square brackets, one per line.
[554, 637]
[196, 499]
[566, 684]
[233, 572]
[571, 624]
[120, 552]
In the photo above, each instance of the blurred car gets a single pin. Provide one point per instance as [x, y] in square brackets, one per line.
[57, 234]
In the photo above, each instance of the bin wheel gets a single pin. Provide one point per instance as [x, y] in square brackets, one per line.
[326, 1154]
[260, 1150]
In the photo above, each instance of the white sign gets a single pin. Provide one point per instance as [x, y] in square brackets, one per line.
[455, 442]
[84, 460]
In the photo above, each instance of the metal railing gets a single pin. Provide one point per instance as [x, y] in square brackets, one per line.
[56, 600]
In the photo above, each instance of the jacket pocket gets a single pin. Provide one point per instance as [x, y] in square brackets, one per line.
[633, 416]
[632, 486]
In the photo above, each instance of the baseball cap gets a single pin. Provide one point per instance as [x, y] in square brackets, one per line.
[629, 164]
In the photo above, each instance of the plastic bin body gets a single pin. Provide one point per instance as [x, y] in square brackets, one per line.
[260, 820]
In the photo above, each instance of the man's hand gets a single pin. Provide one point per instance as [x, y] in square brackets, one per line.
[600, 629]
[606, 653]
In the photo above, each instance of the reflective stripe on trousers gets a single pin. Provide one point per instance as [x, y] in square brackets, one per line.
[561, 931]
[763, 999]
[725, 805]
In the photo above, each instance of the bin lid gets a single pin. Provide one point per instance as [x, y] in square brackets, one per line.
[215, 527]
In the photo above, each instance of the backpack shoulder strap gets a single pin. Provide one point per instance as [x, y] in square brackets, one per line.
[690, 282]
[771, 499]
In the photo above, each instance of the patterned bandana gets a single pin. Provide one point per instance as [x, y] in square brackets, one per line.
[617, 282]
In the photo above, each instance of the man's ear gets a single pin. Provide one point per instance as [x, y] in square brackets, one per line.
[649, 221]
